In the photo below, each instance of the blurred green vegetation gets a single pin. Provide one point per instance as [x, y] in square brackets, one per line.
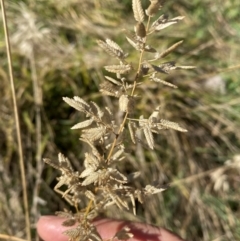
[53, 45]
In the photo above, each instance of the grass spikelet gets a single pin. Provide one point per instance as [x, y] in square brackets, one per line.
[138, 11]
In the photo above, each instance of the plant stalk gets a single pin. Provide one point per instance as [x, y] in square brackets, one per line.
[17, 122]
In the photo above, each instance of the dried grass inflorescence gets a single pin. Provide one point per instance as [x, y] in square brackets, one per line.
[101, 182]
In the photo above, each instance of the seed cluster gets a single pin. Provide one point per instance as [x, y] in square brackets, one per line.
[100, 181]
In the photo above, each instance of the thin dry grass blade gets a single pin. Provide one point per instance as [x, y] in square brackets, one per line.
[17, 122]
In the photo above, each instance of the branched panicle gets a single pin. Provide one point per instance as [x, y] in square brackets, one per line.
[100, 181]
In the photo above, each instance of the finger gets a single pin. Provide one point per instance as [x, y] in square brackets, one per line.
[141, 231]
[50, 228]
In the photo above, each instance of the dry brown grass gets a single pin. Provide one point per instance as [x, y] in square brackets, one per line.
[202, 203]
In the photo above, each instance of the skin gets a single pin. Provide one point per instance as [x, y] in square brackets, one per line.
[49, 228]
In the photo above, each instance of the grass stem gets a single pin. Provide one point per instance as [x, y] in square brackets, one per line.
[16, 116]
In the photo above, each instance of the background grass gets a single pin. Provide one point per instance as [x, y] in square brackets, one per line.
[55, 55]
